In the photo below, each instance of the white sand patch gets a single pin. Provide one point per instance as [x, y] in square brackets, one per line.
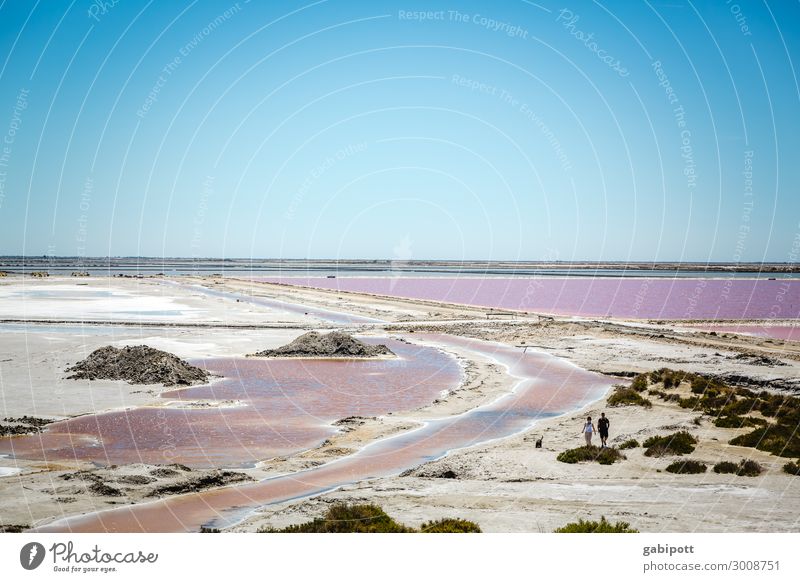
[8, 471]
[64, 301]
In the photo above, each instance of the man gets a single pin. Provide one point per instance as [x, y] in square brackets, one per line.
[602, 428]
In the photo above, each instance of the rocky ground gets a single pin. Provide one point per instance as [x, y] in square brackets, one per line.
[137, 365]
[47, 491]
[335, 344]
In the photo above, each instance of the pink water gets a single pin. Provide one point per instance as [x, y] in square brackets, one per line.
[640, 298]
[290, 404]
[547, 386]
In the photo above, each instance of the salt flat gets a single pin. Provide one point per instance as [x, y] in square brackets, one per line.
[505, 485]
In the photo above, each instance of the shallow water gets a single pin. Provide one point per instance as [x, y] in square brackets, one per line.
[646, 298]
[289, 405]
[547, 386]
[329, 315]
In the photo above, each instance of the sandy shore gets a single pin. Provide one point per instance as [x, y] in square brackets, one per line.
[505, 486]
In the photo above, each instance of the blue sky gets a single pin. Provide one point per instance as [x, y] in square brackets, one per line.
[661, 130]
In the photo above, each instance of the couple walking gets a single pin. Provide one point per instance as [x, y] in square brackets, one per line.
[602, 425]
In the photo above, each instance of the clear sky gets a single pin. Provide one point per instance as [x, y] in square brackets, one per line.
[515, 130]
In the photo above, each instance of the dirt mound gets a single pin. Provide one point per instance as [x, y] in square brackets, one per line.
[137, 365]
[211, 480]
[758, 360]
[335, 345]
[23, 425]
[433, 472]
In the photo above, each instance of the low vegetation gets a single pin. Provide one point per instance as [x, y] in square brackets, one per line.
[772, 418]
[779, 439]
[604, 456]
[667, 397]
[626, 396]
[744, 468]
[449, 525]
[669, 378]
[602, 526]
[368, 518]
[687, 467]
[793, 468]
[735, 421]
[679, 443]
[629, 444]
[639, 383]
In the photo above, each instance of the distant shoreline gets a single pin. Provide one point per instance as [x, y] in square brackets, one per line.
[20, 264]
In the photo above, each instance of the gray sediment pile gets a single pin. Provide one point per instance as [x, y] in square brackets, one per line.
[332, 345]
[137, 365]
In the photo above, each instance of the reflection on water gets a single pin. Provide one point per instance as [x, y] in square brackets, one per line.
[547, 386]
[290, 404]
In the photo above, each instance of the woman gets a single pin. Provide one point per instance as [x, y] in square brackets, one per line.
[588, 431]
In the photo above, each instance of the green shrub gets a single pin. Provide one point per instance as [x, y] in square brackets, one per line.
[690, 402]
[601, 526]
[639, 383]
[604, 456]
[734, 421]
[624, 396]
[450, 525]
[726, 467]
[664, 396]
[792, 468]
[629, 444]
[749, 468]
[731, 407]
[687, 467]
[679, 443]
[745, 468]
[344, 518]
[699, 384]
[779, 439]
